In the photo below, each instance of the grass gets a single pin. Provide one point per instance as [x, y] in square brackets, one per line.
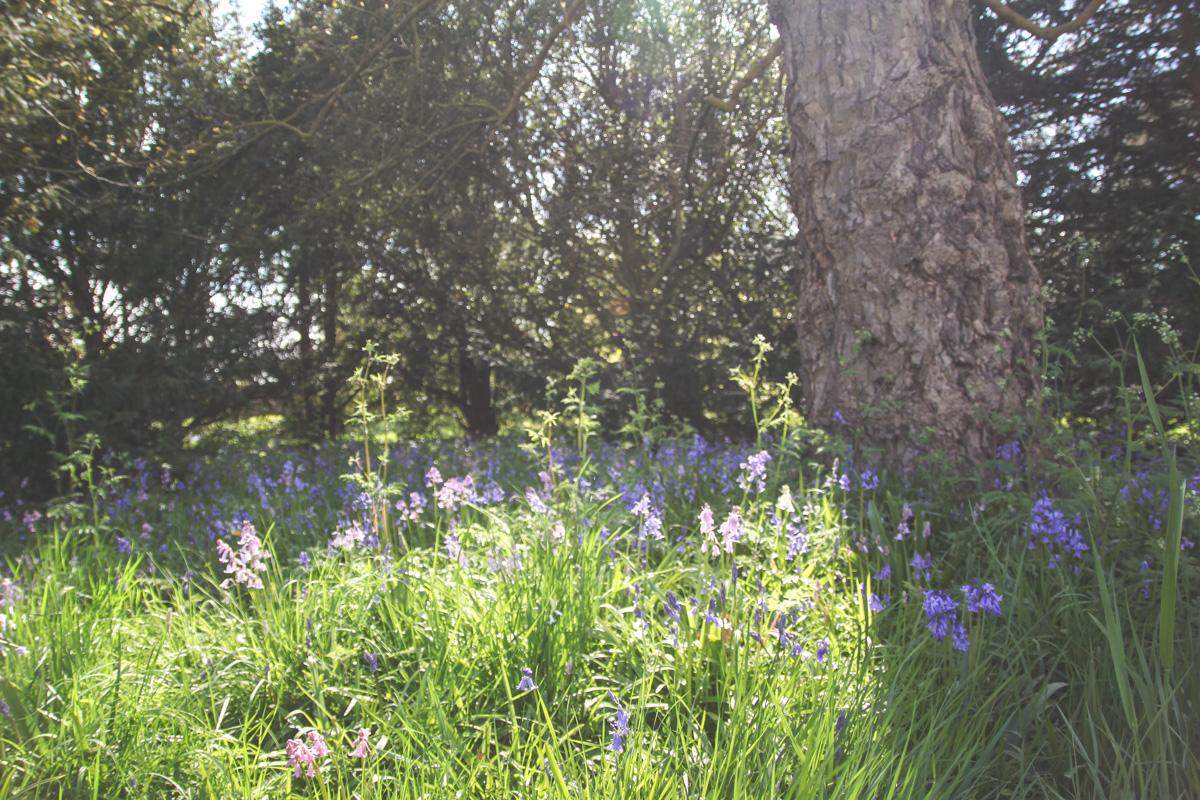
[135, 666]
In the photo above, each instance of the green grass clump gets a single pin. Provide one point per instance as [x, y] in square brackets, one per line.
[563, 621]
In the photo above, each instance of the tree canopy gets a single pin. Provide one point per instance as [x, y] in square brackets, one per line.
[214, 223]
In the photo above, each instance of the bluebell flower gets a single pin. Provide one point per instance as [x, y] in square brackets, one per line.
[869, 479]
[922, 564]
[983, 598]
[124, 546]
[753, 478]
[304, 561]
[526, 684]
[671, 604]
[884, 573]
[1009, 451]
[959, 638]
[938, 607]
[876, 604]
[937, 602]
[710, 615]
[620, 726]
[822, 650]
[781, 628]
[372, 662]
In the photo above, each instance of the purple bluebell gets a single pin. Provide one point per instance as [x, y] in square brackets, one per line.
[939, 608]
[922, 564]
[781, 628]
[869, 479]
[372, 662]
[710, 616]
[620, 726]
[822, 650]
[876, 604]
[959, 638]
[753, 478]
[526, 684]
[671, 604]
[884, 573]
[983, 598]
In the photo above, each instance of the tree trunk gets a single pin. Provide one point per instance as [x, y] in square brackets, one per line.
[919, 310]
[475, 383]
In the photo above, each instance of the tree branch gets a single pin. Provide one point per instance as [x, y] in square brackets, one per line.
[538, 63]
[371, 55]
[754, 74]
[1006, 13]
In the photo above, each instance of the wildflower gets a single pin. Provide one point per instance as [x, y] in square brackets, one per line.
[348, 537]
[305, 562]
[731, 528]
[526, 684]
[707, 528]
[317, 744]
[869, 479]
[124, 546]
[433, 477]
[922, 564]
[822, 650]
[876, 604]
[535, 502]
[754, 478]
[672, 605]
[983, 598]
[1009, 451]
[246, 564]
[620, 726]
[299, 755]
[372, 661]
[884, 573]
[5, 710]
[9, 593]
[454, 550]
[360, 744]
[959, 638]
[938, 607]
[710, 616]
[837, 417]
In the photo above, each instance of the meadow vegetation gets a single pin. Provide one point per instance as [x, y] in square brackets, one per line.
[648, 615]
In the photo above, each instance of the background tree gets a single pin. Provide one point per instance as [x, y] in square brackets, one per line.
[106, 234]
[1106, 125]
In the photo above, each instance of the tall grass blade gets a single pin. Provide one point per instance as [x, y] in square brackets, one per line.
[1174, 533]
[1170, 587]
[1116, 642]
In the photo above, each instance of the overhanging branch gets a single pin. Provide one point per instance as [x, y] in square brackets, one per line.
[754, 74]
[1050, 34]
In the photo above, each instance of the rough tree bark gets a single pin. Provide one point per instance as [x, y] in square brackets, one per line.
[919, 307]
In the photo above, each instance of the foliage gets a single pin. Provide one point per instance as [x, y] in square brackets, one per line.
[108, 233]
[1106, 128]
[595, 634]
